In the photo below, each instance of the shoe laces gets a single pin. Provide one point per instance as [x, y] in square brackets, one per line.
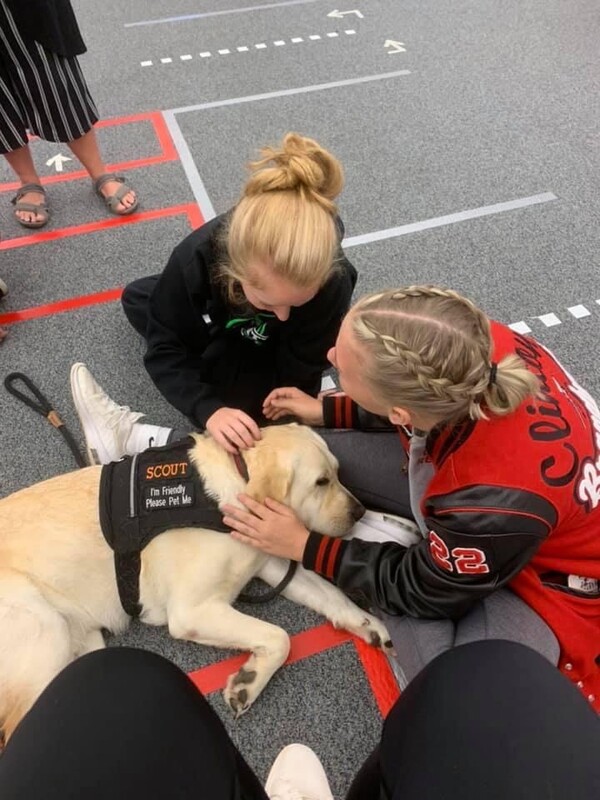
[114, 414]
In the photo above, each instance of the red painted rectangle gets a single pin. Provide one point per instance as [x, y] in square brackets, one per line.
[190, 209]
[110, 295]
[167, 151]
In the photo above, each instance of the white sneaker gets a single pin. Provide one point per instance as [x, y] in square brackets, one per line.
[106, 426]
[297, 774]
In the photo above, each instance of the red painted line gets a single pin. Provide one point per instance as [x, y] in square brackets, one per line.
[305, 644]
[109, 296]
[99, 225]
[168, 151]
[380, 676]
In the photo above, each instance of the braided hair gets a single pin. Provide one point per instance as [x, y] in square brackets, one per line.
[430, 351]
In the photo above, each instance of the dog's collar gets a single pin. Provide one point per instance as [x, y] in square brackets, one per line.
[241, 466]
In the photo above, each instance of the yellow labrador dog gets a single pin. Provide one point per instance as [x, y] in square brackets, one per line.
[58, 585]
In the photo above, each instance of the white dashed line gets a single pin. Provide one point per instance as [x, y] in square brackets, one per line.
[520, 327]
[549, 320]
[314, 37]
[579, 311]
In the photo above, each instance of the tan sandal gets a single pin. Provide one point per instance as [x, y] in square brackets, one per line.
[40, 209]
[113, 200]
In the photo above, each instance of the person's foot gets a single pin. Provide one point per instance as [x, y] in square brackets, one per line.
[31, 209]
[110, 188]
[297, 774]
[106, 425]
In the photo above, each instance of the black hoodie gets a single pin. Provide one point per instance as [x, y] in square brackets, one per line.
[204, 354]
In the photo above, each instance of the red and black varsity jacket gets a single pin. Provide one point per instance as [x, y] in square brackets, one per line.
[514, 501]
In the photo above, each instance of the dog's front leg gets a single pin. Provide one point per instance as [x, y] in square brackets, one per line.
[314, 592]
[218, 624]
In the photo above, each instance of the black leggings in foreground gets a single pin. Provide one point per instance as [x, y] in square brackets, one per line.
[491, 719]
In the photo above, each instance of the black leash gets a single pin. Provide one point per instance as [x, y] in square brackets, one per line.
[271, 594]
[41, 405]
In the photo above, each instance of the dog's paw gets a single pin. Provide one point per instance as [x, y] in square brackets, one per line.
[374, 632]
[238, 693]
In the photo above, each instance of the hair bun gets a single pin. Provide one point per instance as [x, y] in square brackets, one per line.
[298, 164]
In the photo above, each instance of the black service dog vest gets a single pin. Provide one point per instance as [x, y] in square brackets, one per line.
[144, 495]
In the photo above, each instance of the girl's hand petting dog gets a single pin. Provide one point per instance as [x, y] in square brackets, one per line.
[270, 526]
[291, 401]
[233, 429]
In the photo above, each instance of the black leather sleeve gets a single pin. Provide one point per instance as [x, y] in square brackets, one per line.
[469, 554]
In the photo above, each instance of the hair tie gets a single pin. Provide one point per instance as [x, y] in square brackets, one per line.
[493, 372]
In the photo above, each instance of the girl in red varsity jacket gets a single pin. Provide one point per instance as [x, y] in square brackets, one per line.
[504, 478]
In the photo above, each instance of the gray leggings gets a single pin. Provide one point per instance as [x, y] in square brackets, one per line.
[502, 615]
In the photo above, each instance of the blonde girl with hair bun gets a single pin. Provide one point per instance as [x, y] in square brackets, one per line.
[502, 479]
[251, 301]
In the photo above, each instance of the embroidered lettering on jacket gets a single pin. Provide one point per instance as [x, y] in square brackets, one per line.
[560, 468]
[556, 470]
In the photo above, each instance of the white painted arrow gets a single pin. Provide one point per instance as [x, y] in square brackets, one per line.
[341, 14]
[58, 161]
[397, 45]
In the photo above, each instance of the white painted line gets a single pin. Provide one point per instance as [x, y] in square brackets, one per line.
[549, 320]
[146, 63]
[206, 54]
[166, 61]
[449, 219]
[520, 327]
[333, 34]
[579, 311]
[297, 39]
[314, 37]
[224, 52]
[185, 17]
[350, 33]
[234, 101]
[189, 167]
[243, 49]
[186, 58]
[279, 43]
[260, 46]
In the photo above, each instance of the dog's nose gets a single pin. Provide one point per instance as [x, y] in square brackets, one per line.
[358, 510]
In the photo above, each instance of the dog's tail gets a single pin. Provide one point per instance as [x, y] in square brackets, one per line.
[35, 644]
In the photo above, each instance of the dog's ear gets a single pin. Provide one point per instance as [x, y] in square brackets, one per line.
[269, 478]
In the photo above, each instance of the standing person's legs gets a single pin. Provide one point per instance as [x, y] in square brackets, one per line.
[502, 615]
[488, 720]
[123, 723]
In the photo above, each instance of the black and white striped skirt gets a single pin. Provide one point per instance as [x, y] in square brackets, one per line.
[40, 92]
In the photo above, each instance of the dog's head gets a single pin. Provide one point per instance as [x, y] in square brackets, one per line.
[292, 464]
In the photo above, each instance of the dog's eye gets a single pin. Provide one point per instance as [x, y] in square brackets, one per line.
[323, 481]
